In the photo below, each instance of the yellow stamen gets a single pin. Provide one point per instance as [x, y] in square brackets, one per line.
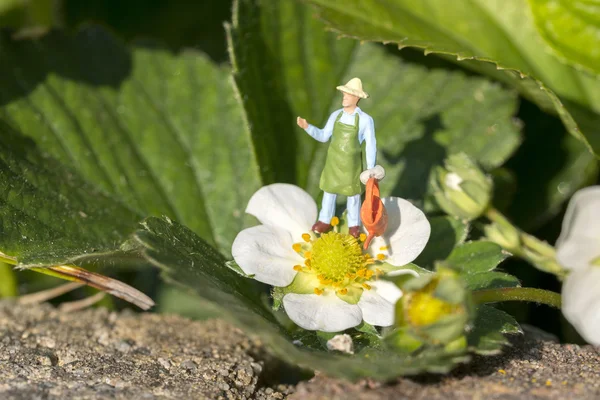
[366, 286]
[336, 260]
[335, 221]
[306, 237]
[297, 247]
[383, 248]
[362, 237]
[381, 257]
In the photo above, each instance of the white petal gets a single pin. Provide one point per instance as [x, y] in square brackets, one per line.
[325, 313]
[266, 252]
[453, 181]
[406, 235]
[378, 304]
[284, 206]
[579, 240]
[581, 302]
[577, 253]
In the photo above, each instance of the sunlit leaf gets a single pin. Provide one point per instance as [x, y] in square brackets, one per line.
[95, 136]
[493, 37]
[572, 29]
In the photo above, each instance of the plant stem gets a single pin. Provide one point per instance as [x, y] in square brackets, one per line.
[541, 296]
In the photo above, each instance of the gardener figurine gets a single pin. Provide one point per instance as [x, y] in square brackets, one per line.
[349, 128]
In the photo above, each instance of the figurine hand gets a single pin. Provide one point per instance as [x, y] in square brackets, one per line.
[376, 172]
[302, 123]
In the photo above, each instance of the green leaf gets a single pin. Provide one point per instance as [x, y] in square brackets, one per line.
[498, 38]
[476, 257]
[490, 280]
[367, 328]
[184, 257]
[571, 28]
[286, 65]
[188, 261]
[49, 214]
[487, 336]
[446, 233]
[95, 136]
[476, 261]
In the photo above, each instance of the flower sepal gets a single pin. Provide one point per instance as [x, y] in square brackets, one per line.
[435, 308]
[505, 235]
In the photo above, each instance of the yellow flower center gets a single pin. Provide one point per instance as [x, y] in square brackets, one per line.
[425, 309]
[334, 255]
[337, 261]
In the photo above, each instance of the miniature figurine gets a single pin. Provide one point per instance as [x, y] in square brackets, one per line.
[350, 128]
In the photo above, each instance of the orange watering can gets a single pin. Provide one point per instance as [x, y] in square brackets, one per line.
[372, 213]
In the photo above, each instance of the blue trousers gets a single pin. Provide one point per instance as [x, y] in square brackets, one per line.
[328, 209]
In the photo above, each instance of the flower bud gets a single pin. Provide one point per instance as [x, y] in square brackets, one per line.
[505, 235]
[434, 308]
[461, 189]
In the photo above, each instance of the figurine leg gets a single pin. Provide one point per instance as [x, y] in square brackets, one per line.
[327, 207]
[326, 214]
[353, 207]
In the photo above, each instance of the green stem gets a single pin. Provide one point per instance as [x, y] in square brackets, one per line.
[541, 296]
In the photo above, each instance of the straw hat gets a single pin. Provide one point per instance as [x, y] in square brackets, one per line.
[354, 86]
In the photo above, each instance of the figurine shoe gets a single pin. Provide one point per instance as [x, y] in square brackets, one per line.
[354, 231]
[321, 227]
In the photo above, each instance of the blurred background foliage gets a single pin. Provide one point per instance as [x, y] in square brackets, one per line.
[531, 187]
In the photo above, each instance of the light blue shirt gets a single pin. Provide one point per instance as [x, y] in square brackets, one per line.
[366, 131]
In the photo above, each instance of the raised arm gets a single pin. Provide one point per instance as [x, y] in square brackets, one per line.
[322, 135]
[370, 143]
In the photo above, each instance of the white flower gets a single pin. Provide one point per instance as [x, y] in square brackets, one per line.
[331, 284]
[578, 249]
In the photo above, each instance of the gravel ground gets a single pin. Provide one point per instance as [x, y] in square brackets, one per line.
[96, 354]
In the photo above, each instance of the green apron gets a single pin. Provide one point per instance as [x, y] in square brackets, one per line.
[344, 160]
